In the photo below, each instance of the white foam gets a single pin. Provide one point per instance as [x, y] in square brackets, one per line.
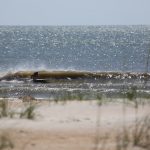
[12, 81]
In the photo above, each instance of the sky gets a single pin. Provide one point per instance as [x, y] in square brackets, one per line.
[74, 12]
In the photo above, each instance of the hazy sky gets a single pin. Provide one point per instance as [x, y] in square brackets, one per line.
[74, 12]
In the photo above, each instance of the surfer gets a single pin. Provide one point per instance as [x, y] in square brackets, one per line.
[35, 76]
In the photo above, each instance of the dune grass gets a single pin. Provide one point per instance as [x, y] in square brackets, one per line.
[27, 112]
[4, 108]
[5, 141]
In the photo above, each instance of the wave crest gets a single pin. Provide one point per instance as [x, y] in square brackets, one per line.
[21, 75]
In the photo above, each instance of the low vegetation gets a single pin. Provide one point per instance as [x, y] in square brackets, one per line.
[5, 141]
[4, 108]
[141, 133]
[138, 135]
[27, 112]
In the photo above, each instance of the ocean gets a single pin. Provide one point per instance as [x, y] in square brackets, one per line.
[73, 49]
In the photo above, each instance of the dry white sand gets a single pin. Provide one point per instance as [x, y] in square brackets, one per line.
[74, 125]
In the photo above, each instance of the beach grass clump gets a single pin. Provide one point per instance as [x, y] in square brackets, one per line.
[141, 133]
[80, 96]
[137, 136]
[4, 112]
[5, 142]
[76, 96]
[132, 94]
[123, 140]
[29, 112]
[99, 99]
[68, 96]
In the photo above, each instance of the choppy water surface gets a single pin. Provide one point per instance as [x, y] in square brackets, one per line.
[77, 48]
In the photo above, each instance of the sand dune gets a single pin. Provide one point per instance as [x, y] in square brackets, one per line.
[69, 126]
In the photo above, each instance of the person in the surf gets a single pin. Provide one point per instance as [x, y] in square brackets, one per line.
[35, 76]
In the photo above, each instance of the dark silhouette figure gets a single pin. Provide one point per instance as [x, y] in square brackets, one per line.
[35, 76]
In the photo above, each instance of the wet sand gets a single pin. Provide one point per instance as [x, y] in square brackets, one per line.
[70, 125]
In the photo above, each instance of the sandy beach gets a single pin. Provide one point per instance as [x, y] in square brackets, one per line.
[70, 125]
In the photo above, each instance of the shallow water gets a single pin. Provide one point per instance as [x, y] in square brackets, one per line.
[83, 88]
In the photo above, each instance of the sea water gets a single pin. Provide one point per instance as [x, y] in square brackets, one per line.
[75, 48]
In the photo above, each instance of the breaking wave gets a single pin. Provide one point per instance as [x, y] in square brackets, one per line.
[21, 75]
